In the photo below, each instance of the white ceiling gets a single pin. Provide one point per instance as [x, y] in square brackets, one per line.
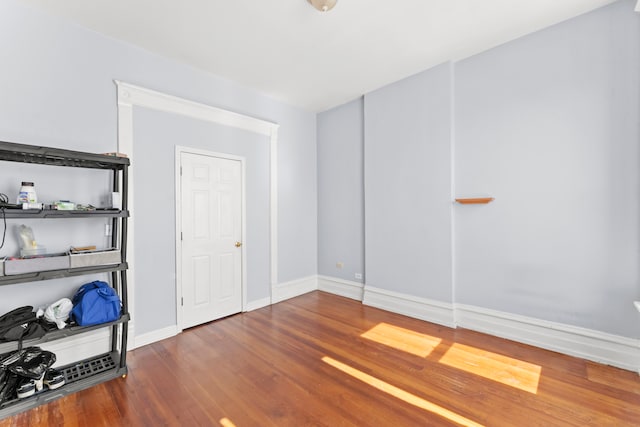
[291, 52]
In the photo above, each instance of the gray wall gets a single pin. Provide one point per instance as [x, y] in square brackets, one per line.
[57, 90]
[154, 176]
[297, 195]
[341, 191]
[559, 243]
[548, 125]
[407, 179]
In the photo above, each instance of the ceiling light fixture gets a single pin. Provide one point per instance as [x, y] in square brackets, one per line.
[323, 5]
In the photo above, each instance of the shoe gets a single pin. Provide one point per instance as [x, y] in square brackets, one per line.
[8, 388]
[53, 379]
[40, 383]
[26, 387]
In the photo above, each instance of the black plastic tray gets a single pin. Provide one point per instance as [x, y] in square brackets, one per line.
[82, 375]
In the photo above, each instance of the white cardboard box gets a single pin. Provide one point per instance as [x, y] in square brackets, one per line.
[33, 265]
[89, 259]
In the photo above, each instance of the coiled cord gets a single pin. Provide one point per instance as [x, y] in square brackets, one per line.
[4, 200]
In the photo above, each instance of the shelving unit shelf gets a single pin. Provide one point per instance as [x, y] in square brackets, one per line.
[52, 213]
[84, 373]
[78, 376]
[67, 332]
[60, 274]
[23, 153]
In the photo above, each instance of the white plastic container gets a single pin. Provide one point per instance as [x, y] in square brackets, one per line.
[27, 193]
[90, 259]
[32, 265]
[39, 250]
[116, 200]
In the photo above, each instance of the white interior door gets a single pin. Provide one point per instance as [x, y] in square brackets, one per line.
[211, 190]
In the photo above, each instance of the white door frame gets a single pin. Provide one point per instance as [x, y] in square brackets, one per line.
[179, 150]
[131, 95]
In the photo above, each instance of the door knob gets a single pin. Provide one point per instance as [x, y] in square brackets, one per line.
[238, 244]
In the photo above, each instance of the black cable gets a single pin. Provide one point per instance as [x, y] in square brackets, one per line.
[3, 201]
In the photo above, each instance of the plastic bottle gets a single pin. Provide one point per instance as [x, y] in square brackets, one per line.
[27, 193]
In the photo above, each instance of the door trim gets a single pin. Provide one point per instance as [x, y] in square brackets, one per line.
[178, 192]
[128, 96]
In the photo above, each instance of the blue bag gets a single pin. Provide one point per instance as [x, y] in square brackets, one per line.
[95, 303]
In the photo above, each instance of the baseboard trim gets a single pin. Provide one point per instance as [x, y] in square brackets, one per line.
[155, 336]
[257, 304]
[294, 288]
[416, 307]
[574, 341]
[344, 288]
[79, 347]
[280, 292]
[585, 343]
[588, 344]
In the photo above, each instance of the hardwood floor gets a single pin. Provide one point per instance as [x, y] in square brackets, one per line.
[323, 360]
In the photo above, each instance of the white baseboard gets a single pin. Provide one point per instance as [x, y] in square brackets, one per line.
[154, 336]
[588, 344]
[419, 308]
[171, 331]
[254, 305]
[344, 288]
[79, 347]
[131, 335]
[294, 288]
[281, 292]
[585, 343]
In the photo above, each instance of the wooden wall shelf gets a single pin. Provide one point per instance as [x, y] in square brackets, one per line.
[475, 200]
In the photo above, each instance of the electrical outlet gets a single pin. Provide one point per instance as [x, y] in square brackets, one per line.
[358, 275]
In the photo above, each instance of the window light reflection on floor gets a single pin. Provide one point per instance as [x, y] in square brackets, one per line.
[399, 393]
[402, 339]
[505, 370]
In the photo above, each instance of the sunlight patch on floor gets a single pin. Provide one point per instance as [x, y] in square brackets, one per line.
[226, 422]
[402, 339]
[505, 370]
[399, 393]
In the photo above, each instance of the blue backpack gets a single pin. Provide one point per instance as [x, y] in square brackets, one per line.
[95, 303]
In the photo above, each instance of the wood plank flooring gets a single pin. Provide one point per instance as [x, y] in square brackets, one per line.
[323, 360]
